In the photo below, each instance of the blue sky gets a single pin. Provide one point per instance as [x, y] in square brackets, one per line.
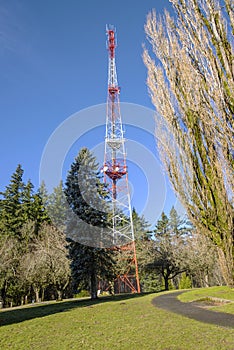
[53, 64]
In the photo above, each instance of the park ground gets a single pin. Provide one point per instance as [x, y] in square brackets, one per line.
[121, 322]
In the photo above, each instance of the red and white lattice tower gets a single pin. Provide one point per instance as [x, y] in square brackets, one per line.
[116, 176]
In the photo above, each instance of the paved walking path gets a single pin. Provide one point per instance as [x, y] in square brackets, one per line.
[192, 310]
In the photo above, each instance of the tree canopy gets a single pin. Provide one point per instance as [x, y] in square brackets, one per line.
[191, 83]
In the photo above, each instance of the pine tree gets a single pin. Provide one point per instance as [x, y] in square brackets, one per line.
[91, 265]
[162, 227]
[86, 196]
[57, 207]
[11, 210]
[141, 226]
[179, 226]
[21, 215]
[33, 207]
[11, 222]
[167, 248]
[185, 281]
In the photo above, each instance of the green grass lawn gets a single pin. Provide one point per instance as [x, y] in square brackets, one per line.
[224, 293]
[129, 322]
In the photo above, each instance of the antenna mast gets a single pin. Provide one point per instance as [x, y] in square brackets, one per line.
[116, 176]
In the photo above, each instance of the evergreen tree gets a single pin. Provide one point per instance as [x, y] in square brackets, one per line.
[87, 199]
[27, 201]
[91, 265]
[167, 248]
[175, 249]
[141, 226]
[162, 227]
[33, 207]
[11, 210]
[21, 215]
[179, 226]
[86, 196]
[19, 204]
[57, 207]
[185, 281]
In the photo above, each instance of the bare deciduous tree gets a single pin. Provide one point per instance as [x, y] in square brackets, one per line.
[46, 262]
[192, 87]
[201, 261]
[8, 262]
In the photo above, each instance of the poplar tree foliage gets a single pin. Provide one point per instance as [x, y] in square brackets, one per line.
[86, 196]
[191, 83]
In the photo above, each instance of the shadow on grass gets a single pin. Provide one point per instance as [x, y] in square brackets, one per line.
[18, 315]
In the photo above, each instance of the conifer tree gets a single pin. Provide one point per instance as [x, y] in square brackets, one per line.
[21, 214]
[57, 207]
[34, 209]
[141, 226]
[167, 249]
[11, 209]
[86, 196]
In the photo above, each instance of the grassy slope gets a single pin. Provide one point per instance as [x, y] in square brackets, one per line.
[127, 323]
[216, 292]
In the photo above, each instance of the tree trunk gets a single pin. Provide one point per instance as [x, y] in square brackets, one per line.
[42, 294]
[206, 280]
[36, 291]
[93, 282]
[59, 295]
[166, 282]
[226, 265]
[3, 294]
[166, 275]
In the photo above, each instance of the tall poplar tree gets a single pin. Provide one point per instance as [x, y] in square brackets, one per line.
[191, 84]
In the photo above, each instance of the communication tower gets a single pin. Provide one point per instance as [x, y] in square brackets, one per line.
[116, 176]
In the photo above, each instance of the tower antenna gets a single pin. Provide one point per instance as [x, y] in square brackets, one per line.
[116, 177]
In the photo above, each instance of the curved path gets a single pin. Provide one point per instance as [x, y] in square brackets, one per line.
[171, 303]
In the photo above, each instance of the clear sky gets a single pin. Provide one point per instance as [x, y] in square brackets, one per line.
[53, 64]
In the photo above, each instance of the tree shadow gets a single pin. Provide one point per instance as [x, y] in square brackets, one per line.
[32, 311]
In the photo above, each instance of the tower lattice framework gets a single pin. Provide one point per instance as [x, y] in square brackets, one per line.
[116, 176]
